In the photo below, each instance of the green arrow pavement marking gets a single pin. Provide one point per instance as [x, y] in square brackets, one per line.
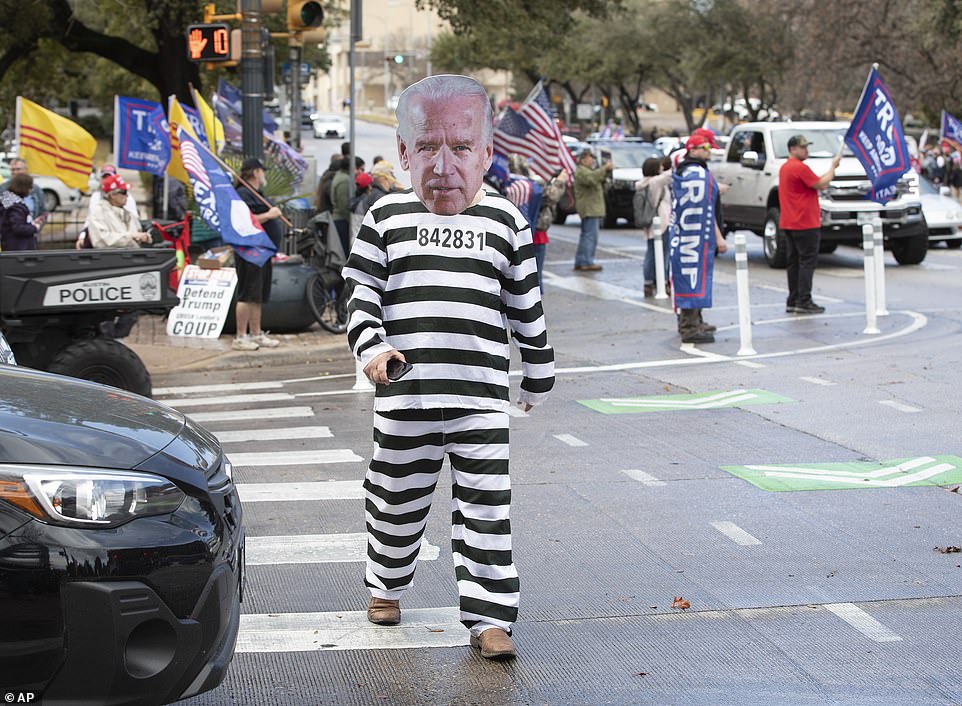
[925, 470]
[665, 403]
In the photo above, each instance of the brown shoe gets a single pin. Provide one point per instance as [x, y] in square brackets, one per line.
[495, 643]
[649, 291]
[592, 268]
[708, 328]
[381, 611]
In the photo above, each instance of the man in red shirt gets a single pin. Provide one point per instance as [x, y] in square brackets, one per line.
[800, 219]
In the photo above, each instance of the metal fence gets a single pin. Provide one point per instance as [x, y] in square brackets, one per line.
[62, 227]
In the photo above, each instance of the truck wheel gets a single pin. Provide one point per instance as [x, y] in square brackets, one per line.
[910, 251]
[953, 244]
[106, 361]
[773, 239]
[828, 247]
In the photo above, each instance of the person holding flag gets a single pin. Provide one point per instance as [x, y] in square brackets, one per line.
[694, 238]
[253, 281]
[801, 219]
[222, 208]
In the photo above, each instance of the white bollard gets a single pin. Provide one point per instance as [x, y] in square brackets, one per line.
[868, 249]
[659, 259]
[744, 306]
[879, 249]
[360, 379]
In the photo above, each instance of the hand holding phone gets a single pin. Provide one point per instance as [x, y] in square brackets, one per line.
[396, 369]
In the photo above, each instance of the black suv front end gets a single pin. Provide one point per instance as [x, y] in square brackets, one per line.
[121, 546]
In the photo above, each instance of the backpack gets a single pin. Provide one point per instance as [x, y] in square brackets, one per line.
[644, 208]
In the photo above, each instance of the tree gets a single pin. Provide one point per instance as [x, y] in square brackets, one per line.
[147, 39]
[506, 35]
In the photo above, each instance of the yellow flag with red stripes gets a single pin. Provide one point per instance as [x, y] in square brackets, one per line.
[54, 146]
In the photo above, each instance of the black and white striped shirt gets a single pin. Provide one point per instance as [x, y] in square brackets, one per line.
[445, 291]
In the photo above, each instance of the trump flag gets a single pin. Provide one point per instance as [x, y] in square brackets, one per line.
[141, 135]
[951, 130]
[877, 140]
[220, 205]
[54, 146]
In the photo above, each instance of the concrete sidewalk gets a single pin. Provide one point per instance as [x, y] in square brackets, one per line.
[163, 354]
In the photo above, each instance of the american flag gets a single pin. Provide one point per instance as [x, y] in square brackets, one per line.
[532, 132]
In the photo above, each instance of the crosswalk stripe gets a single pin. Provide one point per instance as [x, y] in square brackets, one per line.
[227, 437]
[643, 478]
[228, 399]
[285, 492]
[863, 622]
[570, 440]
[736, 533]
[899, 406]
[349, 630]
[219, 387]
[317, 549]
[817, 381]
[294, 458]
[246, 414]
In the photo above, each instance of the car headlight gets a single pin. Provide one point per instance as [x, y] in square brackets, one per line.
[87, 497]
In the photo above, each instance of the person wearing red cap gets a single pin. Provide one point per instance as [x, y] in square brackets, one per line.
[106, 170]
[109, 223]
[695, 237]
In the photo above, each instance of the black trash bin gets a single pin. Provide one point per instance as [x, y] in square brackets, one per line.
[288, 310]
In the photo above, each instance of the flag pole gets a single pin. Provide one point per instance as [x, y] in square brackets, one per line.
[237, 176]
[16, 131]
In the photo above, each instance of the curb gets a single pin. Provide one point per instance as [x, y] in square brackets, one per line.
[162, 359]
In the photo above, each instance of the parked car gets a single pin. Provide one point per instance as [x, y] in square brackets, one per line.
[121, 546]
[329, 125]
[627, 156]
[943, 214]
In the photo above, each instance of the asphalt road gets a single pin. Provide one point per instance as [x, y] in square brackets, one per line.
[801, 503]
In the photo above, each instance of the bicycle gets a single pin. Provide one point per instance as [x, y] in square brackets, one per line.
[327, 293]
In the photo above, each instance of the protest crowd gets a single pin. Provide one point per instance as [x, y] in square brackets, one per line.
[196, 187]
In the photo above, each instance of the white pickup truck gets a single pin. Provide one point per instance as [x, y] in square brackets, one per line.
[750, 166]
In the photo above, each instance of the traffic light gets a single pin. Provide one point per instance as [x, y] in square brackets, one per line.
[208, 42]
[304, 14]
[399, 58]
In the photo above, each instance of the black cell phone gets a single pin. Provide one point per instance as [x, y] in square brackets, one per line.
[397, 369]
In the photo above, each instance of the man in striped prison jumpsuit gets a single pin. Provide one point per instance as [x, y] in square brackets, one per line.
[440, 276]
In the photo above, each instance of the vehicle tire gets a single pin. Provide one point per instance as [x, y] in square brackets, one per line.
[827, 248]
[773, 240]
[105, 361]
[609, 222]
[51, 200]
[910, 251]
[328, 304]
[560, 218]
[953, 244]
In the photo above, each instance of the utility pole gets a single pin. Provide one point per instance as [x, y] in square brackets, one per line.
[252, 79]
[295, 59]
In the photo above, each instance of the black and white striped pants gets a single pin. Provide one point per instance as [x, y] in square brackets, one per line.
[409, 451]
